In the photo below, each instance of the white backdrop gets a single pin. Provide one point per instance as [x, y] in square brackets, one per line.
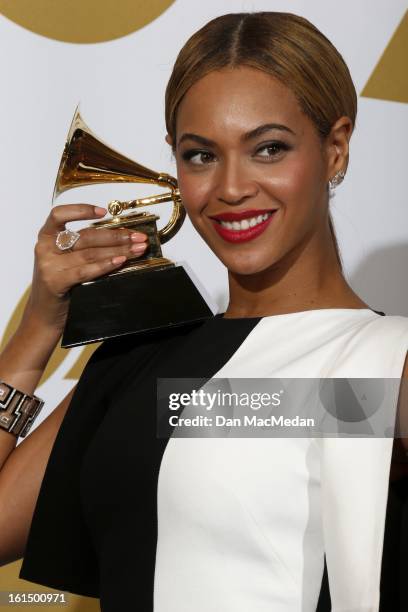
[120, 85]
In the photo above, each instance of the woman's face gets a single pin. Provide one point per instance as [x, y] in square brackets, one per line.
[252, 170]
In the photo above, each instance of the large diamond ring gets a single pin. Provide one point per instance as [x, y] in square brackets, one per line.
[66, 239]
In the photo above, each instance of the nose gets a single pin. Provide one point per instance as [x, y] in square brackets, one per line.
[234, 185]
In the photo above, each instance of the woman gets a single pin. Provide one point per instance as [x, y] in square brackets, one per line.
[260, 109]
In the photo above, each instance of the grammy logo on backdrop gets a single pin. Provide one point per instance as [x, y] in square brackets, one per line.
[145, 293]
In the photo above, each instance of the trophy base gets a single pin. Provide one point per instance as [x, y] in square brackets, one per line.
[131, 303]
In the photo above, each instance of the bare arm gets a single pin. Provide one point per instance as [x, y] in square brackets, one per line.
[399, 466]
[20, 481]
[403, 405]
[25, 357]
[22, 363]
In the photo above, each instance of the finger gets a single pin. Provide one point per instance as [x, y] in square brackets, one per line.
[92, 237]
[90, 271]
[96, 254]
[60, 215]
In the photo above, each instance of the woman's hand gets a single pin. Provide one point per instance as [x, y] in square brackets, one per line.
[97, 252]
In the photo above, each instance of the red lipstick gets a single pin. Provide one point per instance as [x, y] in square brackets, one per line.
[246, 234]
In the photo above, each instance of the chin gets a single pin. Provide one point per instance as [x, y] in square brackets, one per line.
[246, 265]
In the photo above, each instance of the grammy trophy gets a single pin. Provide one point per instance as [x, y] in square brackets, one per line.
[147, 292]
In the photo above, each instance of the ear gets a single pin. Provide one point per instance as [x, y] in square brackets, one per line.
[169, 140]
[337, 146]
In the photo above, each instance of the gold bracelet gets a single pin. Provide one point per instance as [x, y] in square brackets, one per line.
[17, 409]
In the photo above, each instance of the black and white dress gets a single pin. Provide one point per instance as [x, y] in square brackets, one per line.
[217, 524]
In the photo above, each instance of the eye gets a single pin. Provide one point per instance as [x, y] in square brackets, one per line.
[271, 150]
[197, 157]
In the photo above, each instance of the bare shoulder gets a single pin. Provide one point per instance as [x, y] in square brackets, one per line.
[402, 414]
[403, 402]
[405, 369]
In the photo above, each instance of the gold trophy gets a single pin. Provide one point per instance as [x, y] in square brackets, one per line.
[147, 292]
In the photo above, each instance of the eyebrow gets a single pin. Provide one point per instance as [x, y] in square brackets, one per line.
[259, 131]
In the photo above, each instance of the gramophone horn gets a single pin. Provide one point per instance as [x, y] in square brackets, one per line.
[87, 160]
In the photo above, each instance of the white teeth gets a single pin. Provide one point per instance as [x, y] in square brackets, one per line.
[245, 223]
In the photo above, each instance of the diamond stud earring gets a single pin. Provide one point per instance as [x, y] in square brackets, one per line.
[336, 180]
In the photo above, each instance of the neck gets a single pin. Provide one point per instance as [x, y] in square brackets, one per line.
[304, 280]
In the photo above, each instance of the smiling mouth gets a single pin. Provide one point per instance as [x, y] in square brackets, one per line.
[234, 229]
[244, 224]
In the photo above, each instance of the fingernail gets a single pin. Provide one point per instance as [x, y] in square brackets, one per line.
[138, 248]
[138, 236]
[100, 211]
[118, 260]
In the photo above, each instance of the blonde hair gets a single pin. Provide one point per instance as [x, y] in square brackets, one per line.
[284, 45]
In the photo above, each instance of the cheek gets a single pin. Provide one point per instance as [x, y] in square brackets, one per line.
[300, 189]
[298, 182]
[194, 190]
